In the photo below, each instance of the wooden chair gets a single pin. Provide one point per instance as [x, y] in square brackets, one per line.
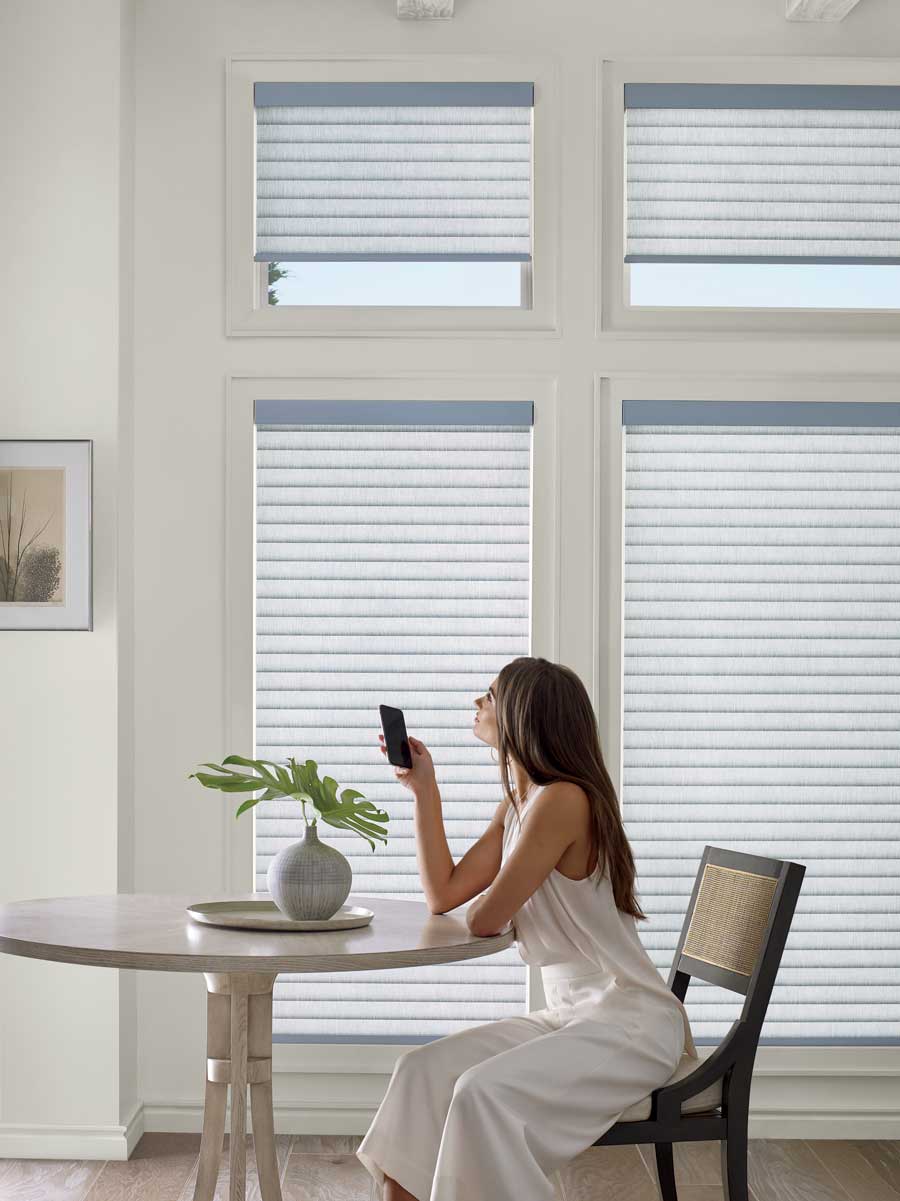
[733, 935]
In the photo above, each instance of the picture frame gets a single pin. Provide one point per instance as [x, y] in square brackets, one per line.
[46, 534]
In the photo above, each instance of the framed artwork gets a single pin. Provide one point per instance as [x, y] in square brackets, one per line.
[45, 534]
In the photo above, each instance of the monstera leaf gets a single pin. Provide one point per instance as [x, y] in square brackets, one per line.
[300, 782]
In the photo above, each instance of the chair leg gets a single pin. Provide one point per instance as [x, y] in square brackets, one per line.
[665, 1171]
[734, 1162]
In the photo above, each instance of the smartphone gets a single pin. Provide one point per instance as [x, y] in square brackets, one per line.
[396, 740]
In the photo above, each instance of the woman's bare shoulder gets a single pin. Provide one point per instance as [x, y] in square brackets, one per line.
[565, 801]
[564, 792]
[501, 811]
[560, 794]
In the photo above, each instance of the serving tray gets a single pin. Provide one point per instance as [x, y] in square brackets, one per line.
[265, 915]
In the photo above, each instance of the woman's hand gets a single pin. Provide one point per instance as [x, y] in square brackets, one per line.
[419, 778]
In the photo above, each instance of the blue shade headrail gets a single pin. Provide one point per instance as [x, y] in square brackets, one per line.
[394, 412]
[817, 260]
[393, 95]
[759, 412]
[273, 256]
[762, 95]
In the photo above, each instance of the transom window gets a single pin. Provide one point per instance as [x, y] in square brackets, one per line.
[394, 194]
[762, 196]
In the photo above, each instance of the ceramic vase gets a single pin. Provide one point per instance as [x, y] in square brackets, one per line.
[309, 880]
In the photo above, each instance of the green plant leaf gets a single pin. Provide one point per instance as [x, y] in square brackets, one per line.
[370, 809]
[299, 782]
[258, 765]
[285, 779]
[338, 823]
[242, 762]
[374, 823]
[372, 827]
[324, 794]
[230, 783]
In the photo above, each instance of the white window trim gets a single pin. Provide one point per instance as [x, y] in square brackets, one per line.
[244, 313]
[787, 1079]
[614, 314]
[242, 391]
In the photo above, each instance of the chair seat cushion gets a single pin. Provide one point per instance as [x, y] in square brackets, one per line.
[710, 1098]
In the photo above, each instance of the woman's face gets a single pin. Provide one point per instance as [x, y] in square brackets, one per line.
[484, 725]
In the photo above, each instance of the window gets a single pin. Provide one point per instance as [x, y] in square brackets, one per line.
[376, 195]
[763, 195]
[393, 564]
[394, 194]
[761, 674]
[500, 284]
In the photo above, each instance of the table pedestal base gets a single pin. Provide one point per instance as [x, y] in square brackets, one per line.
[239, 1052]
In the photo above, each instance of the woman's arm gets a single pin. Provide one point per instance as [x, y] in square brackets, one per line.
[556, 819]
[446, 884]
[435, 861]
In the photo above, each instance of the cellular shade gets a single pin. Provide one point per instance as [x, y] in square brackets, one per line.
[755, 173]
[392, 565]
[393, 171]
[762, 688]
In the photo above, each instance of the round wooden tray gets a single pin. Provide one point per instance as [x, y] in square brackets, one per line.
[265, 915]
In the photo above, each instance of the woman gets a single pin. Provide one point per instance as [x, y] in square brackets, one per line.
[492, 1112]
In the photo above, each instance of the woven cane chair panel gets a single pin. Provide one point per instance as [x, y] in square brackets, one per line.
[729, 918]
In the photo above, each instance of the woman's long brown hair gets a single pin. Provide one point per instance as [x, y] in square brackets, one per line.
[545, 721]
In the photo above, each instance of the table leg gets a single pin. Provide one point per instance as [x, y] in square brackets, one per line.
[260, 1045]
[239, 1043]
[217, 1049]
[238, 1157]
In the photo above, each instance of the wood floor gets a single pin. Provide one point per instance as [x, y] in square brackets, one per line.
[324, 1168]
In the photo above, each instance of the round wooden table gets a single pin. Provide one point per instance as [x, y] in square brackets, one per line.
[154, 933]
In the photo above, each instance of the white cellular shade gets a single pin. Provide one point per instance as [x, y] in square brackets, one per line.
[369, 181]
[393, 565]
[769, 184]
[762, 699]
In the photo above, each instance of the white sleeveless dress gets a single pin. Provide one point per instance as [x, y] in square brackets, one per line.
[572, 929]
[493, 1112]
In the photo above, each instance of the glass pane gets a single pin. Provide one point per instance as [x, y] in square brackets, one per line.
[385, 283]
[760, 682]
[765, 285]
[393, 564]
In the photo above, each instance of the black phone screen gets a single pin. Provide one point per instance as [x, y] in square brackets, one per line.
[394, 726]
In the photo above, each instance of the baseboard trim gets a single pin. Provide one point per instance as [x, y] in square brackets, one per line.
[187, 1118]
[828, 1124]
[19, 1141]
[134, 1130]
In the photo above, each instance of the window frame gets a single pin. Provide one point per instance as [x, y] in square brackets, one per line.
[776, 1061]
[786, 1078]
[246, 316]
[615, 314]
[240, 605]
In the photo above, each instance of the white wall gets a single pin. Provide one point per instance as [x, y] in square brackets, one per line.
[183, 360]
[67, 1041]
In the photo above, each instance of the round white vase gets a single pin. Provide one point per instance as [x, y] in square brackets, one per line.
[309, 880]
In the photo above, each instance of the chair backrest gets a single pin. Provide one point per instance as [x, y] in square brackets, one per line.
[736, 926]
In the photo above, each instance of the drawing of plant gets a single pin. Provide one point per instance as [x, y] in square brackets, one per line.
[29, 570]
